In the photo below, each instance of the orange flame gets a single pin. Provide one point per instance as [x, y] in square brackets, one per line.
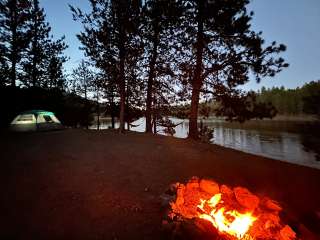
[231, 222]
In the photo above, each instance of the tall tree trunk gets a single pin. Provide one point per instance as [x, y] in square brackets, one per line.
[112, 111]
[34, 64]
[122, 85]
[34, 75]
[13, 71]
[86, 107]
[127, 107]
[197, 77]
[155, 125]
[155, 118]
[34, 45]
[98, 123]
[98, 109]
[151, 76]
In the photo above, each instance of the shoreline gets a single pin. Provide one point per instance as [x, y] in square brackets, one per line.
[315, 165]
[85, 184]
[264, 138]
[280, 118]
[289, 118]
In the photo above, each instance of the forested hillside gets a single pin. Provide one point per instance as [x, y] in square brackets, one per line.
[303, 100]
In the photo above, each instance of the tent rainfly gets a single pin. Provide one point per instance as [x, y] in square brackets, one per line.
[35, 120]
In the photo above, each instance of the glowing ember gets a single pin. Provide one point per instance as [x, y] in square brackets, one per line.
[231, 222]
[235, 213]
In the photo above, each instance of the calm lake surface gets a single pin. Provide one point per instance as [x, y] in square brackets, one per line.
[290, 141]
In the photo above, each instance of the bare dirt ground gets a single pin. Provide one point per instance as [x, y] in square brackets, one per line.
[77, 184]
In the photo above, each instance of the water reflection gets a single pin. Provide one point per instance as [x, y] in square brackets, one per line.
[294, 142]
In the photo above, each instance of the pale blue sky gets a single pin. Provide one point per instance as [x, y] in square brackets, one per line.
[292, 22]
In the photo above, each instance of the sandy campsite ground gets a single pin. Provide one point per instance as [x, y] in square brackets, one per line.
[77, 184]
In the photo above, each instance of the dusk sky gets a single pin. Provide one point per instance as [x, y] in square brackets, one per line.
[292, 22]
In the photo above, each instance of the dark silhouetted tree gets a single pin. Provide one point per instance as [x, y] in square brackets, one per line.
[221, 52]
[159, 17]
[43, 65]
[14, 15]
[83, 81]
[135, 85]
[311, 100]
[107, 34]
[4, 68]
[82, 78]
[38, 33]
[54, 75]
[98, 84]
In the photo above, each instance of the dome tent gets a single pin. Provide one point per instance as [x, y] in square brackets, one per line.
[35, 120]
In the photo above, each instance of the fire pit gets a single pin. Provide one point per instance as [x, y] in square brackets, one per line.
[203, 209]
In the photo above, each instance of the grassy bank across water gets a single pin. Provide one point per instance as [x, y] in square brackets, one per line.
[77, 184]
[294, 118]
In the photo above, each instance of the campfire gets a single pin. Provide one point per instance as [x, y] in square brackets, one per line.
[227, 213]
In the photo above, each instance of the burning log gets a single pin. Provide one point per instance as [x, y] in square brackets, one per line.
[202, 209]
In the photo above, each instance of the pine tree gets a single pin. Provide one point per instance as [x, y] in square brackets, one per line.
[97, 87]
[38, 33]
[110, 93]
[43, 65]
[54, 76]
[159, 17]
[164, 83]
[14, 15]
[220, 51]
[124, 14]
[82, 76]
[4, 68]
[135, 85]
[108, 31]
[83, 79]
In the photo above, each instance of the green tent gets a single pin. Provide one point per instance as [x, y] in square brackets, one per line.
[35, 120]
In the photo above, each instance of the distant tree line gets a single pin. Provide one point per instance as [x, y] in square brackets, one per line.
[301, 100]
